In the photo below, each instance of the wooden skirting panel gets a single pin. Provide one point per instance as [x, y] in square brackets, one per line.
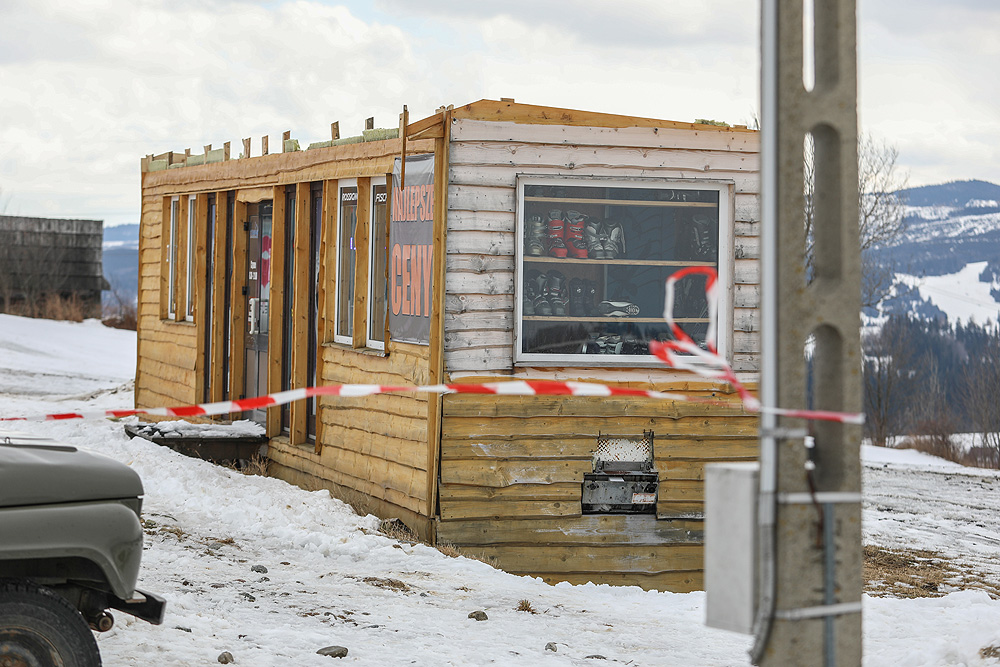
[302, 467]
[512, 472]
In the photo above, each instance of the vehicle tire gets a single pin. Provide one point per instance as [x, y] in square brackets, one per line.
[40, 628]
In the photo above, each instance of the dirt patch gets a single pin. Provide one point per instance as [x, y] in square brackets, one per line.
[915, 573]
[387, 582]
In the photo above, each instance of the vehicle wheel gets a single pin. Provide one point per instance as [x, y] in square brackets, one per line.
[39, 628]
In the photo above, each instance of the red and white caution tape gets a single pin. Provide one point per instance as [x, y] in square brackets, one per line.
[685, 354]
[682, 353]
[513, 388]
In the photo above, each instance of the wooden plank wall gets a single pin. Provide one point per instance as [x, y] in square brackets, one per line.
[512, 468]
[512, 471]
[373, 452]
[485, 158]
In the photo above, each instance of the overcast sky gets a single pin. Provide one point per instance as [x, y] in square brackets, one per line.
[87, 87]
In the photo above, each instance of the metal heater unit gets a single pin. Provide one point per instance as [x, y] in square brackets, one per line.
[623, 481]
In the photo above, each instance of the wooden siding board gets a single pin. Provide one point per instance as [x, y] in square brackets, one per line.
[580, 160]
[503, 175]
[638, 137]
[592, 529]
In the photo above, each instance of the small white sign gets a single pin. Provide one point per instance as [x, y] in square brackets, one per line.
[643, 498]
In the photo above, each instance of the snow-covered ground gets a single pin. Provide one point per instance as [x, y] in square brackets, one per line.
[332, 579]
[961, 295]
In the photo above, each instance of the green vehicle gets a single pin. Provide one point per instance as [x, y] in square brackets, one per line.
[70, 546]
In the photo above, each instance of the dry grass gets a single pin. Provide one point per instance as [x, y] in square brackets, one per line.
[397, 530]
[388, 583]
[70, 308]
[453, 551]
[915, 573]
[525, 605]
[256, 465]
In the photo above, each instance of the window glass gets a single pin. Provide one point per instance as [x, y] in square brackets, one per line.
[594, 260]
[172, 258]
[377, 299]
[189, 271]
[348, 218]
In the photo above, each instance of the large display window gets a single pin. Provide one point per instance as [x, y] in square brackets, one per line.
[593, 258]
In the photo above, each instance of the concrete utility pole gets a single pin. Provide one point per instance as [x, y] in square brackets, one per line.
[810, 501]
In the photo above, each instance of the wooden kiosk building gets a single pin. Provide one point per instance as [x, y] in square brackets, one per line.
[527, 242]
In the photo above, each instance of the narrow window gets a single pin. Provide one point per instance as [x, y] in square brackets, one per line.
[315, 237]
[377, 262]
[189, 273]
[347, 226]
[288, 290]
[175, 205]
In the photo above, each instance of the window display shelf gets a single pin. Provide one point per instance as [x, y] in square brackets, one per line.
[617, 262]
[607, 247]
[623, 202]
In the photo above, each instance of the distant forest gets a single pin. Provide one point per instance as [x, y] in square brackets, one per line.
[930, 379]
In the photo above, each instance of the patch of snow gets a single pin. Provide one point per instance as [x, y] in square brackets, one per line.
[960, 295]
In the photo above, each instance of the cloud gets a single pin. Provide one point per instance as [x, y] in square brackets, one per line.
[90, 87]
[640, 24]
[928, 85]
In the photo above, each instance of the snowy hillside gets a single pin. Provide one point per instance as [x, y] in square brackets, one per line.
[947, 262]
[332, 579]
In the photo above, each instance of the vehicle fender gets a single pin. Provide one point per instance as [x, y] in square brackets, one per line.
[107, 533]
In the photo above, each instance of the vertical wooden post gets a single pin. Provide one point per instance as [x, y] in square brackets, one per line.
[335, 131]
[225, 156]
[275, 335]
[218, 293]
[246, 147]
[370, 123]
[238, 304]
[435, 402]
[285, 136]
[300, 312]
[200, 298]
[263, 145]
[404, 120]
[327, 285]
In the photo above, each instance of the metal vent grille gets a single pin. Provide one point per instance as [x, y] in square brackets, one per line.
[622, 453]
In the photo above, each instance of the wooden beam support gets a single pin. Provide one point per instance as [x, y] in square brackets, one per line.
[300, 313]
[275, 337]
[404, 119]
[263, 145]
[324, 297]
[199, 299]
[335, 131]
[238, 304]
[225, 153]
[217, 305]
[246, 148]
[436, 365]
[285, 136]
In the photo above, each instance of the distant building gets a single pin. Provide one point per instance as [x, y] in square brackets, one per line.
[45, 257]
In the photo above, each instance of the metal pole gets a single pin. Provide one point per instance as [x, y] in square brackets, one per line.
[810, 501]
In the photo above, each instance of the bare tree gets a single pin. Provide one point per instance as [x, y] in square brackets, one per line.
[880, 210]
[887, 364]
[980, 391]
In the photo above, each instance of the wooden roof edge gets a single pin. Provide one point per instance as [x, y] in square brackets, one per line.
[531, 114]
[427, 128]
